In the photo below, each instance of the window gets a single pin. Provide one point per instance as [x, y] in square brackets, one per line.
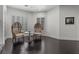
[41, 21]
[38, 20]
[13, 19]
[22, 20]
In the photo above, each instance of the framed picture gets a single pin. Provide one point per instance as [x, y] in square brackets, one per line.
[69, 20]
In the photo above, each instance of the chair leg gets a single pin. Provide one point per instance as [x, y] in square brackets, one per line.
[40, 37]
[12, 40]
[15, 40]
[18, 39]
[23, 39]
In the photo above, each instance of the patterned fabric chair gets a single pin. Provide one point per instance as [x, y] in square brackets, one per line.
[16, 31]
[37, 29]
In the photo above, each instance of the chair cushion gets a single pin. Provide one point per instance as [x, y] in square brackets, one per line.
[19, 34]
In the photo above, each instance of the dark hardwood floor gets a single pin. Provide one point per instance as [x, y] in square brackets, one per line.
[45, 46]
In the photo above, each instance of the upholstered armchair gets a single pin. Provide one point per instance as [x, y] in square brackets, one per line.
[37, 31]
[16, 31]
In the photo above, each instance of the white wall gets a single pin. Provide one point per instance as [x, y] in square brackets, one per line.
[14, 12]
[1, 26]
[53, 22]
[30, 18]
[33, 21]
[69, 32]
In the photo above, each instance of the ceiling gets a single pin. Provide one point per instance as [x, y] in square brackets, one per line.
[33, 8]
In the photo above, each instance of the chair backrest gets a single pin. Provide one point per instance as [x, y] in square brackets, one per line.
[16, 28]
[38, 27]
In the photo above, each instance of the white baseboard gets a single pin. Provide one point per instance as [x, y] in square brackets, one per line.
[52, 36]
[67, 38]
[64, 38]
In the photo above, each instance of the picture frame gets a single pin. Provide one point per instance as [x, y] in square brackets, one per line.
[69, 20]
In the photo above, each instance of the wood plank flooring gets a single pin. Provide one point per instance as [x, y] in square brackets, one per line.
[45, 46]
